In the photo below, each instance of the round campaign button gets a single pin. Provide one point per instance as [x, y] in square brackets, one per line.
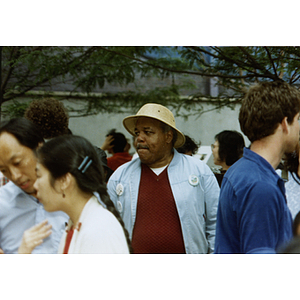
[119, 206]
[193, 180]
[119, 189]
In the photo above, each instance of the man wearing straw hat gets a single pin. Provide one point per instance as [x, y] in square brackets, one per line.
[168, 200]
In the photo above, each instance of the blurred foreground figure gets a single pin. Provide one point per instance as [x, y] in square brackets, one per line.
[19, 206]
[69, 174]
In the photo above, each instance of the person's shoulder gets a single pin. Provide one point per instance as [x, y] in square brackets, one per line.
[9, 191]
[99, 218]
[125, 168]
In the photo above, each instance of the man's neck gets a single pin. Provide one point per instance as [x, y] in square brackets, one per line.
[162, 163]
[270, 149]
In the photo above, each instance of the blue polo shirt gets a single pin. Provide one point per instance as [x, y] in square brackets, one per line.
[253, 216]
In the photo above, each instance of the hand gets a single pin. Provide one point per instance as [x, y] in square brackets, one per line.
[34, 236]
[1, 251]
[106, 145]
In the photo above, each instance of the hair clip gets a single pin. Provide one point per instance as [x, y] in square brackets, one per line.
[84, 162]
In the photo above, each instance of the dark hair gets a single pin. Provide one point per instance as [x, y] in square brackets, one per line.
[27, 133]
[50, 115]
[292, 247]
[264, 107]
[291, 162]
[189, 145]
[119, 141]
[231, 145]
[64, 154]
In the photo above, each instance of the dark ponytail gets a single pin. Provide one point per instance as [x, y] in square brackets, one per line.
[65, 154]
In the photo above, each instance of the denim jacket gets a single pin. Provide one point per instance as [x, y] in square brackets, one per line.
[195, 190]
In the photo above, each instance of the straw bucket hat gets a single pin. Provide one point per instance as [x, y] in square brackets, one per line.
[158, 112]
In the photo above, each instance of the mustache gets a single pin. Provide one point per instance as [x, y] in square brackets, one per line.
[139, 146]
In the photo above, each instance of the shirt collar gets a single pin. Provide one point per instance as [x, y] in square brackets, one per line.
[263, 163]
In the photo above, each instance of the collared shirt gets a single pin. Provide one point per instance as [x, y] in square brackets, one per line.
[98, 231]
[3, 180]
[20, 211]
[195, 190]
[292, 188]
[253, 216]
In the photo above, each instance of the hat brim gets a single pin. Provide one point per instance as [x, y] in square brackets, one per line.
[130, 124]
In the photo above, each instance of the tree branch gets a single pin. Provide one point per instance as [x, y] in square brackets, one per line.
[182, 72]
[271, 60]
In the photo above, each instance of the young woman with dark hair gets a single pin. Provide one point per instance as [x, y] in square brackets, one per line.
[227, 149]
[69, 174]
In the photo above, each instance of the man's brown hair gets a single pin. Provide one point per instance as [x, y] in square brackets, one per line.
[264, 107]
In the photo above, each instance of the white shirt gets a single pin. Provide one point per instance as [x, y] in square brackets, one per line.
[99, 232]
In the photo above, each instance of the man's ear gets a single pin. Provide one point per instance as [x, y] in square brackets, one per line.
[285, 125]
[169, 135]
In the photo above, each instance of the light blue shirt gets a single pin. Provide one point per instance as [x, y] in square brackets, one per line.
[195, 190]
[292, 190]
[20, 211]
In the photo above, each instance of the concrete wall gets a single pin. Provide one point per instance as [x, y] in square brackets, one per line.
[201, 129]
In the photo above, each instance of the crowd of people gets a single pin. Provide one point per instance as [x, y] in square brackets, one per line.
[61, 194]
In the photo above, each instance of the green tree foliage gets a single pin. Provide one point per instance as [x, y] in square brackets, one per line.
[86, 69]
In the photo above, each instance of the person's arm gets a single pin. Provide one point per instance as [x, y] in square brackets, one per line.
[34, 236]
[212, 193]
[106, 144]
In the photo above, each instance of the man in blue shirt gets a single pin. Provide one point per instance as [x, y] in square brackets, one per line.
[253, 216]
[19, 207]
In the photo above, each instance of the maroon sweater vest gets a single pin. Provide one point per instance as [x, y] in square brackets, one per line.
[157, 226]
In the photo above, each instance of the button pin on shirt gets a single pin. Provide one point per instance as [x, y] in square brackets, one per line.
[193, 180]
[119, 189]
[119, 206]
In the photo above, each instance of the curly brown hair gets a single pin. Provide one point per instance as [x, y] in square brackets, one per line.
[50, 115]
[264, 107]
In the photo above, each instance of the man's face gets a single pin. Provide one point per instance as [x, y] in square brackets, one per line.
[152, 144]
[17, 162]
[215, 152]
[47, 194]
[294, 135]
